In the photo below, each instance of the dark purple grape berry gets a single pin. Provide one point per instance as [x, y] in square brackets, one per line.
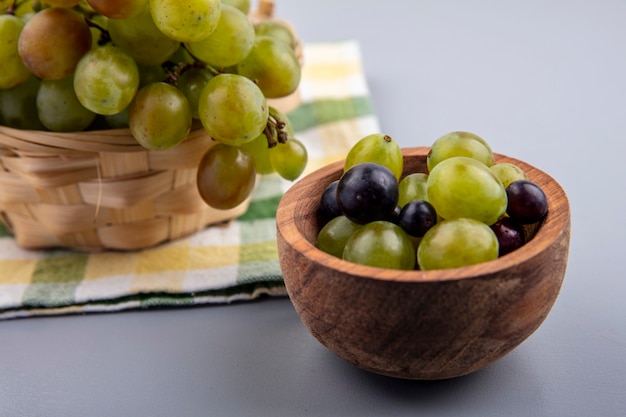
[417, 217]
[329, 208]
[527, 203]
[394, 216]
[510, 235]
[367, 192]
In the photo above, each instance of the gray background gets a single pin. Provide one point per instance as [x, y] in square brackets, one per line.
[541, 81]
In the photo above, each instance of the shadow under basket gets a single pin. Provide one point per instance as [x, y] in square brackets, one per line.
[100, 190]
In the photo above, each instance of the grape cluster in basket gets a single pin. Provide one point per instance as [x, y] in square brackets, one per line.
[153, 66]
[465, 209]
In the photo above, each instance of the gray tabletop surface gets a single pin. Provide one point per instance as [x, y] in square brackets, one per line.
[543, 81]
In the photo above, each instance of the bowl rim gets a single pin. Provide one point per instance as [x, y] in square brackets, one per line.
[551, 229]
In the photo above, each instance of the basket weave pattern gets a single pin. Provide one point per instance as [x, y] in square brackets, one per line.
[101, 190]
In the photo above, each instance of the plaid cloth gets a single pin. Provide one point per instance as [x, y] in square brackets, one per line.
[221, 264]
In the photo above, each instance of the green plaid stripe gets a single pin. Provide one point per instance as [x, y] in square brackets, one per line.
[310, 115]
[54, 280]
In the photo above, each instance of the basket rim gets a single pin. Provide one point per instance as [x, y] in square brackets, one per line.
[98, 140]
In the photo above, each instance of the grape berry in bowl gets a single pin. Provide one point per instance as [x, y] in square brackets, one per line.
[421, 324]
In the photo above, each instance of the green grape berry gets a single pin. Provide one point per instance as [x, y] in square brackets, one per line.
[186, 21]
[289, 159]
[243, 5]
[18, 105]
[159, 116]
[12, 69]
[459, 144]
[273, 65]
[233, 109]
[456, 243]
[149, 74]
[191, 83]
[412, 187]
[277, 30]
[229, 43]
[58, 107]
[381, 244]
[182, 55]
[378, 148]
[226, 176]
[334, 235]
[464, 187]
[508, 173]
[140, 38]
[117, 120]
[260, 152]
[106, 80]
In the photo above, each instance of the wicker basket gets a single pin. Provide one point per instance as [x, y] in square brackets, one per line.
[100, 190]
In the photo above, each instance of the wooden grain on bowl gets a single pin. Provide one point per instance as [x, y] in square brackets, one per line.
[420, 324]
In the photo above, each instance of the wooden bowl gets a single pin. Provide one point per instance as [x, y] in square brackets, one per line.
[420, 324]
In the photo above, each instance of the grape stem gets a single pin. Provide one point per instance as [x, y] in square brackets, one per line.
[105, 37]
[214, 71]
[175, 70]
[274, 131]
[270, 134]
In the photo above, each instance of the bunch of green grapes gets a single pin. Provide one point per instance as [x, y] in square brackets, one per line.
[465, 209]
[153, 67]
